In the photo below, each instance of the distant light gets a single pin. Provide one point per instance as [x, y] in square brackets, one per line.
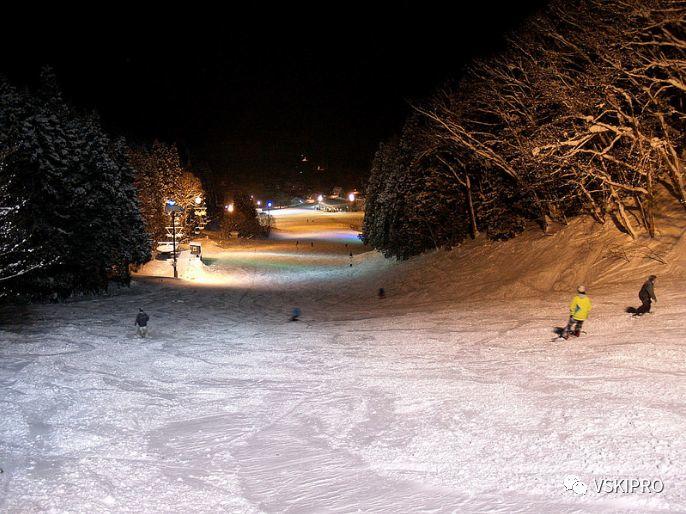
[259, 203]
[229, 207]
[198, 200]
[171, 202]
[320, 198]
[269, 204]
[351, 197]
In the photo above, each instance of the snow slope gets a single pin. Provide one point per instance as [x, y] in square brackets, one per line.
[447, 396]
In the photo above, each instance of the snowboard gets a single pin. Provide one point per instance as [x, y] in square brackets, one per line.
[560, 339]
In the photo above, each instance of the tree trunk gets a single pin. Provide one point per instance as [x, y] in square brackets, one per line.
[470, 204]
[676, 171]
[622, 214]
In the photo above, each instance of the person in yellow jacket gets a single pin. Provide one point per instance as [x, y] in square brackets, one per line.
[578, 313]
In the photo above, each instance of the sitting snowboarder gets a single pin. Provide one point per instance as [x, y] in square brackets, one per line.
[142, 323]
[647, 296]
[578, 313]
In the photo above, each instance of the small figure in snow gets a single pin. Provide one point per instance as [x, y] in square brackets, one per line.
[382, 293]
[647, 296]
[578, 313]
[295, 315]
[142, 323]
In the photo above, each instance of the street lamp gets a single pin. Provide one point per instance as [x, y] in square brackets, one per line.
[230, 207]
[351, 197]
[172, 209]
[320, 198]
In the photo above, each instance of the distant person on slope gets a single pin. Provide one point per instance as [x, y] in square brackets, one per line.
[578, 313]
[142, 323]
[647, 295]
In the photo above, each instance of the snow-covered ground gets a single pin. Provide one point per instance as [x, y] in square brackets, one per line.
[446, 396]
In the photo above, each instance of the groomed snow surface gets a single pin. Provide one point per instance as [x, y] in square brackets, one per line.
[446, 396]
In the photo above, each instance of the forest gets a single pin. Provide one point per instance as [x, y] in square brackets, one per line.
[79, 208]
[581, 113]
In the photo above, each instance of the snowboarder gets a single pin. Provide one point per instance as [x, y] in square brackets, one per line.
[647, 296]
[295, 315]
[382, 293]
[578, 313]
[142, 323]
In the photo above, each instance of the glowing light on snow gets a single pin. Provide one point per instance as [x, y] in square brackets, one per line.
[263, 265]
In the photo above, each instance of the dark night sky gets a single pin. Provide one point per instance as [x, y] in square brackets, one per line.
[250, 89]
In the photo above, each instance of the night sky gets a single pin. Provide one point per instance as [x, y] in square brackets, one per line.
[249, 90]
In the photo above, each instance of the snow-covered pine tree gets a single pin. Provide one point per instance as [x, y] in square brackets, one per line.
[160, 176]
[18, 255]
[70, 194]
[244, 218]
[381, 197]
[149, 189]
[104, 204]
[134, 247]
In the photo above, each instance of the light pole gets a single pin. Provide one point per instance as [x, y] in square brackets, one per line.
[173, 216]
[231, 225]
[172, 209]
[200, 211]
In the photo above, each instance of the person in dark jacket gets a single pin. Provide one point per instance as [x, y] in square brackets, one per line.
[142, 323]
[647, 295]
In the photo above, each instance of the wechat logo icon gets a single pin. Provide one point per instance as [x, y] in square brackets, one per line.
[572, 483]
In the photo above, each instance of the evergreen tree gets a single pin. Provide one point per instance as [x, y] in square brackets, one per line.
[159, 177]
[243, 219]
[18, 257]
[74, 194]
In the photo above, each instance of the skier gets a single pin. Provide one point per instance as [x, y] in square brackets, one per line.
[382, 293]
[295, 314]
[647, 296]
[142, 323]
[578, 313]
